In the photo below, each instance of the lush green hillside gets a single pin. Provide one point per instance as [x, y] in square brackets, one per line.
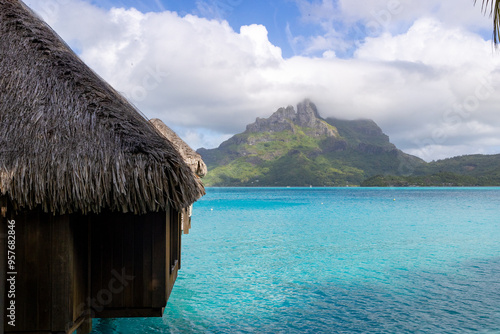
[300, 149]
[468, 170]
[472, 165]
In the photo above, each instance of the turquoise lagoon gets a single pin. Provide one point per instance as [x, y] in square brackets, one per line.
[336, 260]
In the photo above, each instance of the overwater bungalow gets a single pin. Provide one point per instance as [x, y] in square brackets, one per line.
[91, 194]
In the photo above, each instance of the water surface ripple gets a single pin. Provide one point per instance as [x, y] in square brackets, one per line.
[336, 260]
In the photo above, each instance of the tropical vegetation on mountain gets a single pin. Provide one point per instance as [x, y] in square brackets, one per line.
[468, 170]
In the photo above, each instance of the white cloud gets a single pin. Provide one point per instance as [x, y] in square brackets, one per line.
[431, 87]
[391, 13]
[343, 21]
[427, 41]
[453, 92]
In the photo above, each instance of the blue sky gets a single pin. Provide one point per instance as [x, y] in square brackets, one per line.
[275, 15]
[425, 71]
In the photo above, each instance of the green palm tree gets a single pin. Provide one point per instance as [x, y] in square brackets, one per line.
[493, 8]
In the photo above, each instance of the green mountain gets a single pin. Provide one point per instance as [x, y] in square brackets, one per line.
[300, 148]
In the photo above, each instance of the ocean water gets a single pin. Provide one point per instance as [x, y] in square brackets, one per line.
[336, 260]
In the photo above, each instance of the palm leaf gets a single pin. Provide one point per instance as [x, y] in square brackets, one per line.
[492, 7]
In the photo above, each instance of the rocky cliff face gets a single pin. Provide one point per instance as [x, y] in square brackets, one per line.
[286, 119]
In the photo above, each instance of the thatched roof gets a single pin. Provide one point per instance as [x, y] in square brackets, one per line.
[193, 159]
[68, 141]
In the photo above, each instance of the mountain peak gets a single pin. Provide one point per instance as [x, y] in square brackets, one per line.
[297, 147]
[287, 119]
[307, 113]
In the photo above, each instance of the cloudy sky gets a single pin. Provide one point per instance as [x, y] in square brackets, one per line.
[425, 71]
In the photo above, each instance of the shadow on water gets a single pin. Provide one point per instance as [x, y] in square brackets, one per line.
[105, 326]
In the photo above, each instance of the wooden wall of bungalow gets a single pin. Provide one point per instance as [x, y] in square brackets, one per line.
[71, 268]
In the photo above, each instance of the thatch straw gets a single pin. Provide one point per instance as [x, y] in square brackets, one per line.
[190, 156]
[68, 141]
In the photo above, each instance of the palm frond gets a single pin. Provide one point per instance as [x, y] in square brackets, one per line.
[492, 8]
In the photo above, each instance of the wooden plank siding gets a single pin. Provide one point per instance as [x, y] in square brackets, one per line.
[146, 260]
[128, 253]
[135, 248]
[72, 268]
[159, 262]
[81, 268]
[61, 273]
[52, 270]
